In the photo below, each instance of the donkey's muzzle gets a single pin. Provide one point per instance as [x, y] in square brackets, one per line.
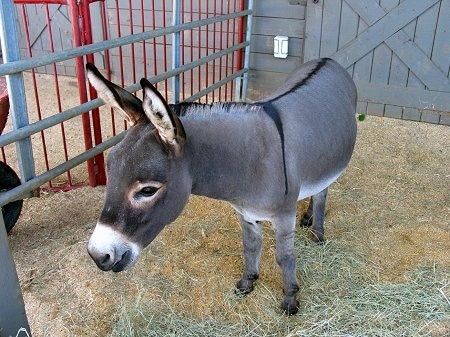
[111, 261]
[111, 250]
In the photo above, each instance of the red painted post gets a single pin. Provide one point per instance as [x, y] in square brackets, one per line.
[75, 21]
[86, 38]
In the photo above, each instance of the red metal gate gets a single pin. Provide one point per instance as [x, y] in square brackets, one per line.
[49, 91]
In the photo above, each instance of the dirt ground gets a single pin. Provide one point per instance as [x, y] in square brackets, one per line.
[391, 206]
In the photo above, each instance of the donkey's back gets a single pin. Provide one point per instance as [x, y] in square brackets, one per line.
[316, 111]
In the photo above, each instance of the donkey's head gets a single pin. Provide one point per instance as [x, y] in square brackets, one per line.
[148, 180]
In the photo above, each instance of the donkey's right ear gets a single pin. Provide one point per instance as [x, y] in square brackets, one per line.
[120, 99]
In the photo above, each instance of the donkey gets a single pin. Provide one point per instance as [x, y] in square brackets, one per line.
[261, 157]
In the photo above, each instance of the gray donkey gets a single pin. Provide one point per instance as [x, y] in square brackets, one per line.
[261, 157]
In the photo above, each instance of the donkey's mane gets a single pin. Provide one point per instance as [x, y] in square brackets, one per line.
[187, 108]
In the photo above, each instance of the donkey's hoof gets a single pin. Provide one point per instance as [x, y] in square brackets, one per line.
[290, 306]
[317, 237]
[243, 287]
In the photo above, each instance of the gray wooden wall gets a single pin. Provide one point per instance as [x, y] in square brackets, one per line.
[272, 18]
[398, 51]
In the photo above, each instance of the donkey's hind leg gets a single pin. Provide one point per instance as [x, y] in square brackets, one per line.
[307, 218]
[252, 241]
[318, 203]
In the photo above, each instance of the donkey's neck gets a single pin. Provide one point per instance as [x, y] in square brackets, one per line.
[226, 148]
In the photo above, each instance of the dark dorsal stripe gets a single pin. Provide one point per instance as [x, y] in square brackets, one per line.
[272, 112]
[303, 81]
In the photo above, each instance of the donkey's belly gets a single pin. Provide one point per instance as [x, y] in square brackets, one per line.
[308, 188]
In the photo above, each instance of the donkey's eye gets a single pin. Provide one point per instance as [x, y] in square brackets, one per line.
[148, 191]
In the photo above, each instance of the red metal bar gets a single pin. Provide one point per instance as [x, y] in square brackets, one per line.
[155, 64]
[144, 47]
[133, 62]
[119, 34]
[35, 2]
[165, 48]
[228, 45]
[199, 46]
[214, 46]
[85, 18]
[220, 48]
[81, 79]
[192, 50]
[57, 91]
[182, 75]
[107, 62]
[240, 52]
[207, 51]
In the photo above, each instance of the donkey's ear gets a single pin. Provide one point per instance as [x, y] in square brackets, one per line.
[120, 99]
[167, 124]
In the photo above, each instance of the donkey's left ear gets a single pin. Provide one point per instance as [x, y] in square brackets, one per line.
[167, 124]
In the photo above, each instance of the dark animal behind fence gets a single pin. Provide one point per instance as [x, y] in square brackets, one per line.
[261, 157]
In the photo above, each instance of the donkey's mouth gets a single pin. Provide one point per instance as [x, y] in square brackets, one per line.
[125, 262]
[111, 250]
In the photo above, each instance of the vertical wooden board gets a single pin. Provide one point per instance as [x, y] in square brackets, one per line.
[313, 30]
[426, 29]
[330, 27]
[424, 37]
[381, 61]
[441, 47]
[348, 28]
[381, 64]
[361, 71]
[413, 80]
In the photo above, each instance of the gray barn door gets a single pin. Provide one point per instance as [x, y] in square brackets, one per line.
[398, 53]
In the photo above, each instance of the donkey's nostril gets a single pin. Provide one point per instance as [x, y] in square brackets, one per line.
[106, 260]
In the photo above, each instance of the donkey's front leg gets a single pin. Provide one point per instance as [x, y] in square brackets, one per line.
[286, 259]
[252, 241]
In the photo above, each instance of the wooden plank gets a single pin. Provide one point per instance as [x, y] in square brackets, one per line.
[313, 30]
[419, 63]
[264, 45]
[348, 29]
[411, 54]
[262, 83]
[362, 68]
[405, 97]
[330, 27]
[349, 25]
[369, 10]
[383, 29]
[415, 56]
[267, 62]
[379, 74]
[441, 47]
[279, 9]
[276, 26]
